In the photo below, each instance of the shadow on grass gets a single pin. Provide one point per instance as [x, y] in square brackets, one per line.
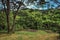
[58, 37]
[3, 33]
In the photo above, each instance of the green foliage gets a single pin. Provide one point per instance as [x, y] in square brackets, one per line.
[43, 20]
[28, 19]
[34, 19]
[2, 20]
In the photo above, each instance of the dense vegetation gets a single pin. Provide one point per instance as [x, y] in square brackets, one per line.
[34, 19]
[31, 22]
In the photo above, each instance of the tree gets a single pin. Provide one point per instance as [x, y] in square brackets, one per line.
[7, 12]
[15, 13]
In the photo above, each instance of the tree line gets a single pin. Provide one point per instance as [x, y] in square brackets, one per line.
[15, 12]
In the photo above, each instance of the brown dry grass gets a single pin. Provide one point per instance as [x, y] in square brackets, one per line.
[25, 35]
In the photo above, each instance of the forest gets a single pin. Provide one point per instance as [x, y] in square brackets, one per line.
[20, 21]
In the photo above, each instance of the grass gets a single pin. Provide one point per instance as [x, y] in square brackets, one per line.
[28, 35]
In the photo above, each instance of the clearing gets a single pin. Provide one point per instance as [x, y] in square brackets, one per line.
[28, 35]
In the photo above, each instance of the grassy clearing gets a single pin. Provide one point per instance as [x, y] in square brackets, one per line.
[27, 35]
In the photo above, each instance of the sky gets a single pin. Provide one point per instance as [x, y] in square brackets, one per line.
[51, 4]
[34, 5]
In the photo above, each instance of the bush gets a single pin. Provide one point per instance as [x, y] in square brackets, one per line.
[38, 20]
[33, 19]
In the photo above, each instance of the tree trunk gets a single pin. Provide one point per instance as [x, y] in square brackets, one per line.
[7, 15]
[14, 17]
[13, 26]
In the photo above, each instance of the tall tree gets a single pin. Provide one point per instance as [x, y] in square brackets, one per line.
[7, 14]
[15, 13]
[7, 11]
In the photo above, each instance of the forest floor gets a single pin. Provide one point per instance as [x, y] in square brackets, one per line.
[29, 35]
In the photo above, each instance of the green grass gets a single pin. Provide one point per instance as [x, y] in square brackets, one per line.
[27, 35]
